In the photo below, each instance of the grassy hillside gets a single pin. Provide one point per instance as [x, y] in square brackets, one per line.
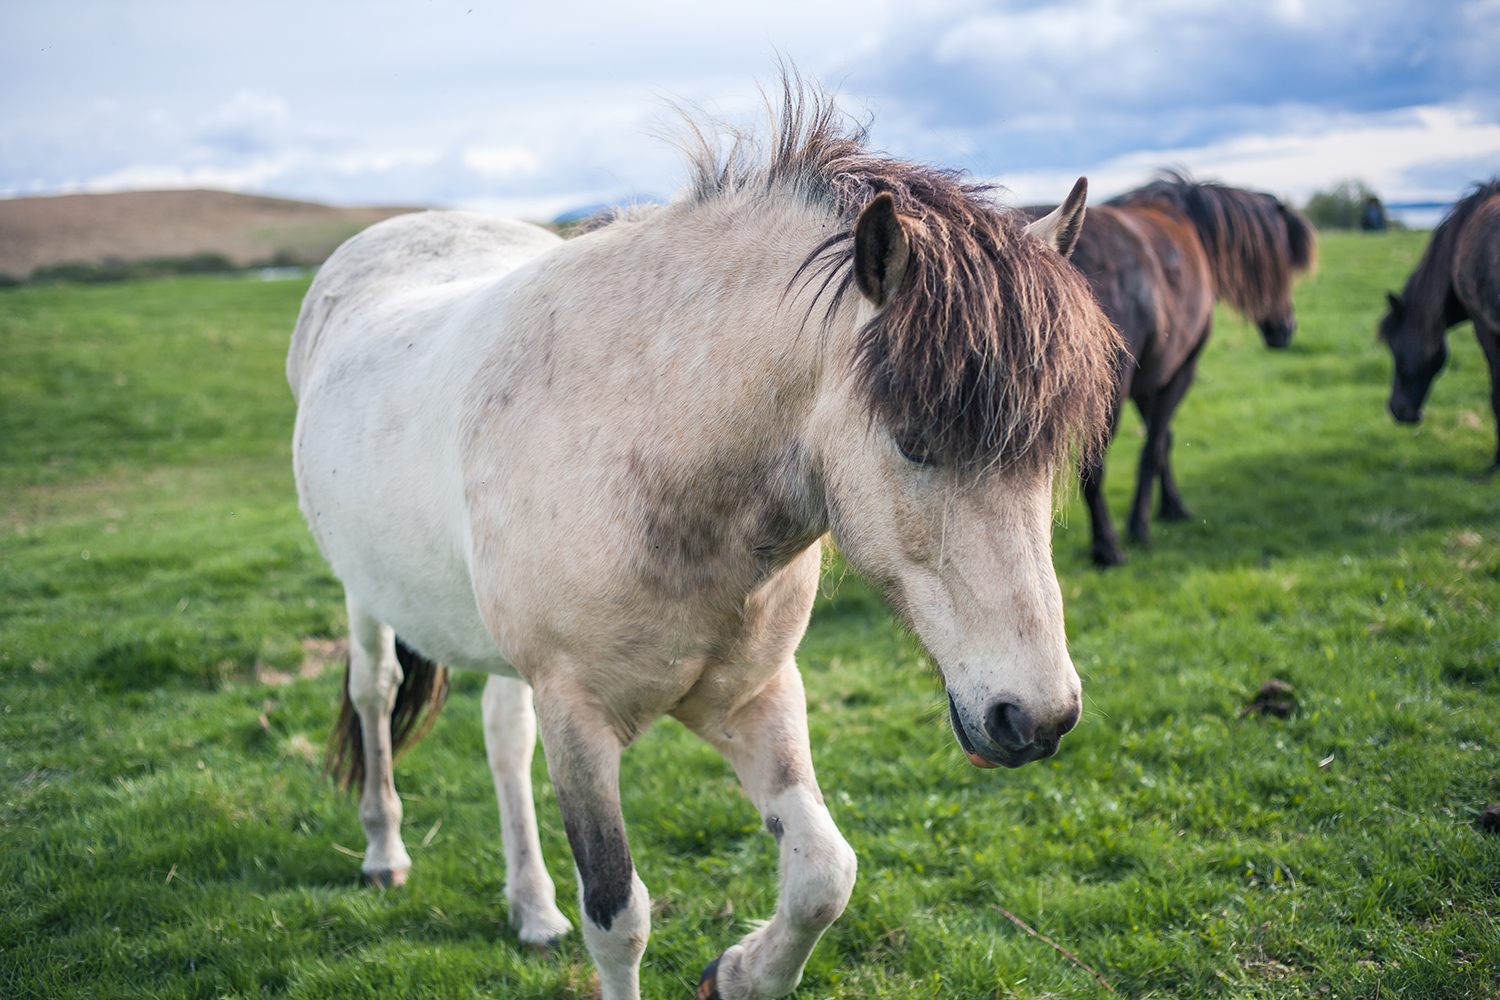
[164, 830]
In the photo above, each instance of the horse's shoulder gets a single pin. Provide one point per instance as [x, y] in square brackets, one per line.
[1476, 265]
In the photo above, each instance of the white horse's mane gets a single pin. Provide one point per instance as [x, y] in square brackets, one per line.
[992, 352]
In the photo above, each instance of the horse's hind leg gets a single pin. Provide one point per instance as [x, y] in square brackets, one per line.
[766, 741]
[374, 677]
[1156, 455]
[510, 739]
[1489, 342]
[1172, 508]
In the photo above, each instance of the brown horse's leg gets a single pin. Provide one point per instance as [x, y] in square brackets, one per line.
[1172, 507]
[1106, 543]
[1489, 342]
[1106, 550]
[1155, 455]
[766, 742]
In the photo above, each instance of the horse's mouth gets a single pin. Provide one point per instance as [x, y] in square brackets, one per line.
[1405, 413]
[1002, 757]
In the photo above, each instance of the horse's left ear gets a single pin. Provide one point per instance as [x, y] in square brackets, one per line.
[1059, 229]
[1398, 308]
[881, 249]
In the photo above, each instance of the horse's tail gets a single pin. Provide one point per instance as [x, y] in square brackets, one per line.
[419, 698]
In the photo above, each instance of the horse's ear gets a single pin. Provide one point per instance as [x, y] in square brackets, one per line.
[881, 250]
[1394, 301]
[1060, 228]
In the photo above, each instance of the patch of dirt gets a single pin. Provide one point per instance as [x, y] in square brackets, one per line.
[320, 654]
[145, 225]
[1276, 698]
[317, 656]
[300, 746]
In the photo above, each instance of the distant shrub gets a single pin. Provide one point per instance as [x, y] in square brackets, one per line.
[1344, 206]
[114, 269]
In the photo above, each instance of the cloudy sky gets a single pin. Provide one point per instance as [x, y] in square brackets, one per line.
[534, 109]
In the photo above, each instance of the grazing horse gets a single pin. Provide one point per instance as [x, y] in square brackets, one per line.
[1458, 278]
[600, 470]
[1157, 258]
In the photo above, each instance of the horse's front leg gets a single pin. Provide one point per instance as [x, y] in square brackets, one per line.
[583, 759]
[766, 742]
[374, 677]
[510, 740]
[1489, 342]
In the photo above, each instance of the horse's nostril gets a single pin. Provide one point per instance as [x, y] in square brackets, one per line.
[1009, 725]
[1068, 721]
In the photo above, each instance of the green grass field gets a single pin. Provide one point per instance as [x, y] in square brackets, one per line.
[165, 831]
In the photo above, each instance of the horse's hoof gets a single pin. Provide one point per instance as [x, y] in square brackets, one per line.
[1104, 558]
[708, 984]
[543, 931]
[387, 878]
[1176, 514]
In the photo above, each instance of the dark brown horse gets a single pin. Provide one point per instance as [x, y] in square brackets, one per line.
[1458, 278]
[1157, 258]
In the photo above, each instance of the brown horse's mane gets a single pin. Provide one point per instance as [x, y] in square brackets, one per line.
[992, 352]
[1431, 282]
[1255, 242]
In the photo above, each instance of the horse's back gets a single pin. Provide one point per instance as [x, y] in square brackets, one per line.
[420, 255]
[1476, 267]
[1148, 270]
[1118, 266]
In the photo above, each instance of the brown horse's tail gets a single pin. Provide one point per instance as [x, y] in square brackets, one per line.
[423, 690]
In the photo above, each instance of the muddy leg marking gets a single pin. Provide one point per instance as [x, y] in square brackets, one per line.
[583, 758]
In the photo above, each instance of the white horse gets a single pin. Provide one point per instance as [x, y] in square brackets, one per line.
[599, 470]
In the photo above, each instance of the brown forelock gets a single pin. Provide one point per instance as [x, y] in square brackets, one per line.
[1249, 237]
[1427, 287]
[992, 352]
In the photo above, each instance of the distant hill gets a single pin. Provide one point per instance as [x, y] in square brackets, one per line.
[102, 229]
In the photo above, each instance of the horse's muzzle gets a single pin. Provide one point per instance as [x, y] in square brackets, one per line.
[1011, 736]
[1404, 411]
[1278, 333]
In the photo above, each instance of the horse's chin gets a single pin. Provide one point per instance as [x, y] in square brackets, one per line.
[1404, 413]
[1002, 756]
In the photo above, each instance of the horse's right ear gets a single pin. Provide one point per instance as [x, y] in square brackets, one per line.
[1394, 301]
[1059, 229]
[881, 250]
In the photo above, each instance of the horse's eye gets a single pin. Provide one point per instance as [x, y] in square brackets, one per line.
[913, 448]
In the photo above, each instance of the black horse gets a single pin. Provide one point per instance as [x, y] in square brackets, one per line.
[1157, 258]
[1458, 278]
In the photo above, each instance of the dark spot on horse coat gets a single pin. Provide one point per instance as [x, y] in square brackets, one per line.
[773, 825]
[789, 774]
[602, 855]
[722, 526]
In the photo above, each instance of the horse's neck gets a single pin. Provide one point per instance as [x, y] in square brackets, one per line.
[1428, 296]
[687, 326]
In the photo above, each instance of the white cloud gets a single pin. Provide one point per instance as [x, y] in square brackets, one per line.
[1384, 150]
[501, 161]
[532, 106]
